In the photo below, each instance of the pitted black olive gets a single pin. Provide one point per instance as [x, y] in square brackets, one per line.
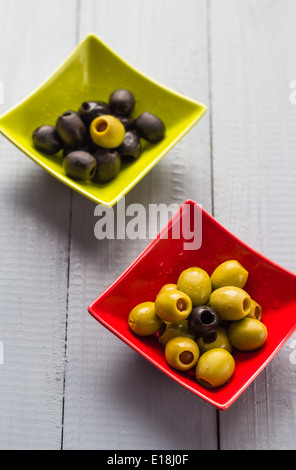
[71, 129]
[47, 140]
[131, 146]
[108, 165]
[202, 320]
[122, 102]
[89, 110]
[80, 165]
[150, 127]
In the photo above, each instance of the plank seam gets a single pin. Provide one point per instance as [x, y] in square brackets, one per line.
[67, 314]
[209, 53]
[77, 39]
[209, 45]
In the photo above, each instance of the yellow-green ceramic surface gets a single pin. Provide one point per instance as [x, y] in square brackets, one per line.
[92, 72]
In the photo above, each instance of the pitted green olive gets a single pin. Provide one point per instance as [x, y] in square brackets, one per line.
[196, 283]
[107, 131]
[229, 273]
[231, 303]
[215, 339]
[214, 368]
[143, 320]
[247, 334]
[167, 287]
[181, 353]
[173, 306]
[170, 330]
[256, 311]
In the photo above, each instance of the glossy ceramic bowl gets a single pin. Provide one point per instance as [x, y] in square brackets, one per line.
[273, 287]
[93, 72]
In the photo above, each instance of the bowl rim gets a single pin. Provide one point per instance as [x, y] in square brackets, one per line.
[222, 405]
[63, 178]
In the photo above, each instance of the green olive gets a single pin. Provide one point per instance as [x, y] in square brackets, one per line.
[181, 353]
[173, 306]
[247, 334]
[229, 273]
[171, 330]
[217, 338]
[107, 131]
[214, 368]
[143, 320]
[196, 283]
[167, 287]
[256, 311]
[231, 303]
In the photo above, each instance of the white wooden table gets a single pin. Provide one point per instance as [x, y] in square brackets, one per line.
[57, 388]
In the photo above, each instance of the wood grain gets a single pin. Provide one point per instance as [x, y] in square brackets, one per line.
[254, 141]
[114, 399]
[65, 381]
[34, 211]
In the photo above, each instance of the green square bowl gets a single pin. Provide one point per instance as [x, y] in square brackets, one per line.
[92, 72]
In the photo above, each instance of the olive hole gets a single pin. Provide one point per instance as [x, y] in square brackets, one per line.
[186, 357]
[210, 338]
[162, 329]
[205, 383]
[257, 312]
[246, 304]
[93, 172]
[207, 317]
[101, 126]
[181, 305]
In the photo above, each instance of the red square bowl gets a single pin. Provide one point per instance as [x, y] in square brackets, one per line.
[194, 238]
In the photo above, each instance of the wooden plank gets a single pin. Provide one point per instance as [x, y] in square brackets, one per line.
[34, 210]
[113, 398]
[252, 51]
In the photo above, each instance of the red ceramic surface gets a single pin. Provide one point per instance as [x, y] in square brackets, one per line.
[273, 287]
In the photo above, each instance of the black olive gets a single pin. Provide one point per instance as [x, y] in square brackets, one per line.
[47, 140]
[122, 102]
[126, 121]
[71, 129]
[80, 165]
[131, 146]
[89, 110]
[108, 165]
[150, 127]
[202, 320]
[88, 146]
[69, 149]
